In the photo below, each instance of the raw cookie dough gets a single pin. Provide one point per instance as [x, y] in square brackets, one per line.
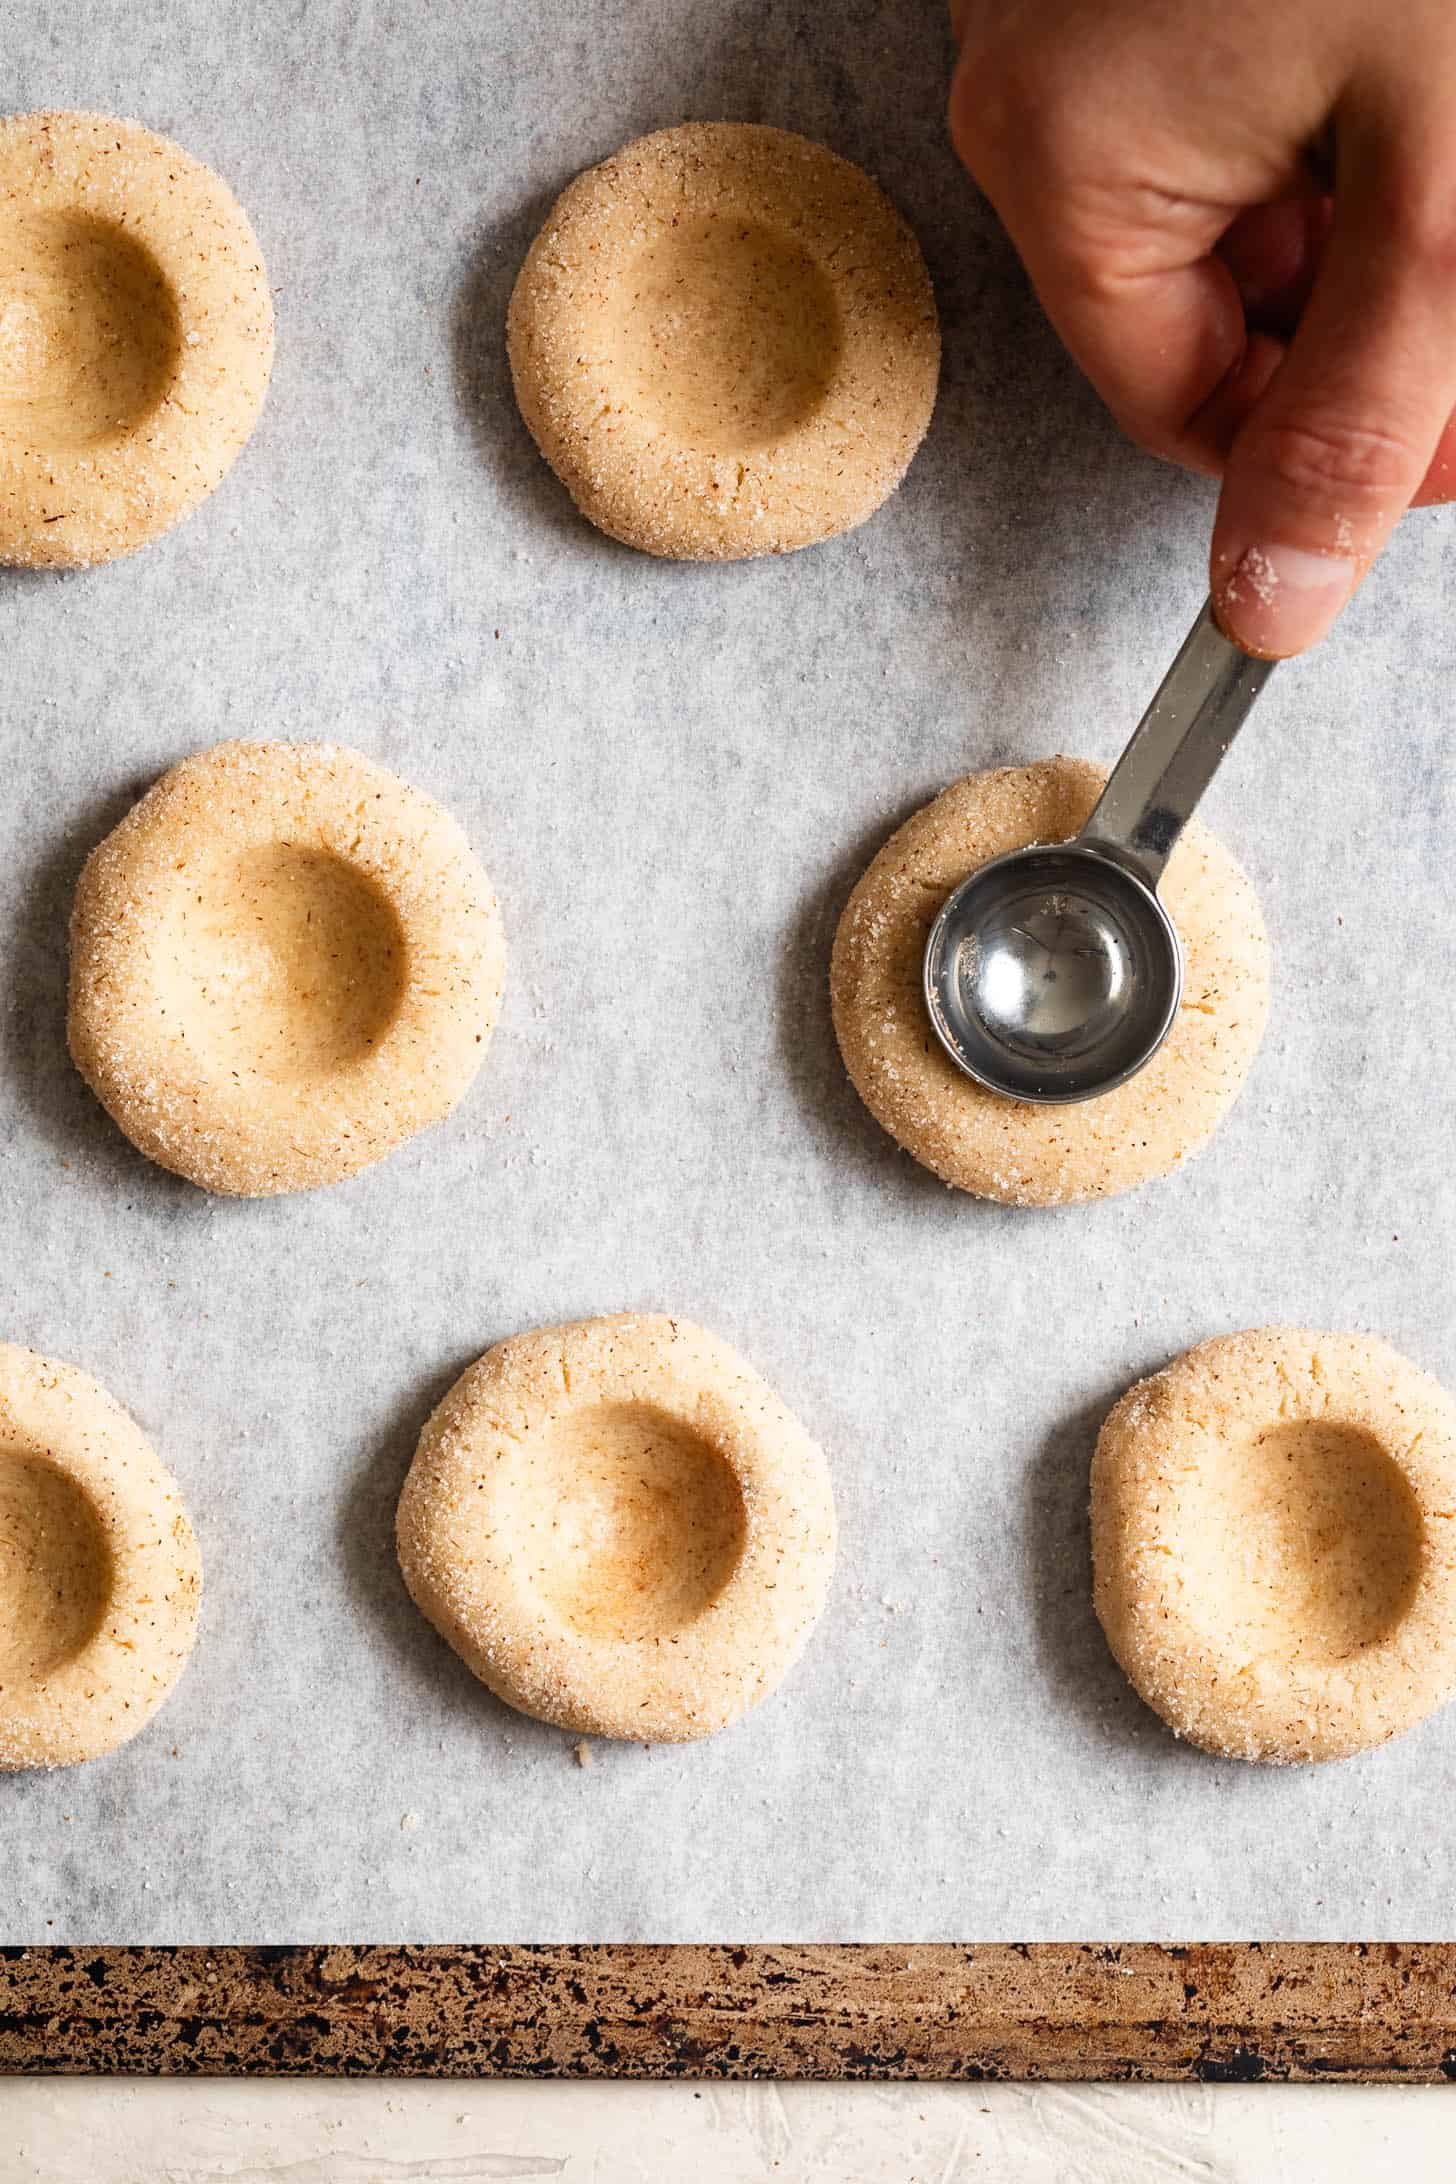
[1010, 1150]
[136, 336]
[619, 1528]
[100, 1577]
[284, 962]
[1274, 1543]
[724, 342]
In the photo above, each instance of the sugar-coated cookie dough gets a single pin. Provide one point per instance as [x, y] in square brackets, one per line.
[1021, 1154]
[136, 336]
[619, 1528]
[1274, 1543]
[100, 1577]
[724, 342]
[284, 962]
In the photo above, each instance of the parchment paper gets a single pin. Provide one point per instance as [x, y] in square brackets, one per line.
[673, 776]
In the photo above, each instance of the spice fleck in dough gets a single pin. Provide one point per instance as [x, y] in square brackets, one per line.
[1012, 1150]
[724, 341]
[136, 336]
[284, 962]
[1274, 1543]
[100, 1578]
[619, 1528]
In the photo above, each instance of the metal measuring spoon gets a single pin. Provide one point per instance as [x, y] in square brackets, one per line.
[1054, 973]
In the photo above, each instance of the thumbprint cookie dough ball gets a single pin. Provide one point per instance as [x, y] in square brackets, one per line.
[619, 1528]
[284, 962]
[136, 336]
[724, 342]
[1274, 1543]
[100, 1578]
[1012, 1150]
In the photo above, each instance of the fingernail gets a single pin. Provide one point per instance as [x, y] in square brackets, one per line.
[1279, 599]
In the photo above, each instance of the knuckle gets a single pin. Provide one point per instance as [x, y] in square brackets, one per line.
[983, 109]
[1008, 108]
[1315, 457]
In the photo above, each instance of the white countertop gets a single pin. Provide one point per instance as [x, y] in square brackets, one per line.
[94, 2131]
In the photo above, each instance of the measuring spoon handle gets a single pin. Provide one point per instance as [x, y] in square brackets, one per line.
[1200, 706]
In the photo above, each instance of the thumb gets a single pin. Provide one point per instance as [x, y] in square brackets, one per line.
[1334, 452]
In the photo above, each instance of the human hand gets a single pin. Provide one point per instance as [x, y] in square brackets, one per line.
[1242, 222]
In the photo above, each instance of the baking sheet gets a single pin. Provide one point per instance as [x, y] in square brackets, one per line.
[673, 776]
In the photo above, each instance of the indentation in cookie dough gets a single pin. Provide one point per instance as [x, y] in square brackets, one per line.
[284, 961]
[725, 333]
[100, 1577]
[1019, 1152]
[632, 1521]
[724, 342]
[136, 336]
[1304, 1540]
[619, 1528]
[55, 1567]
[89, 331]
[1274, 1543]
